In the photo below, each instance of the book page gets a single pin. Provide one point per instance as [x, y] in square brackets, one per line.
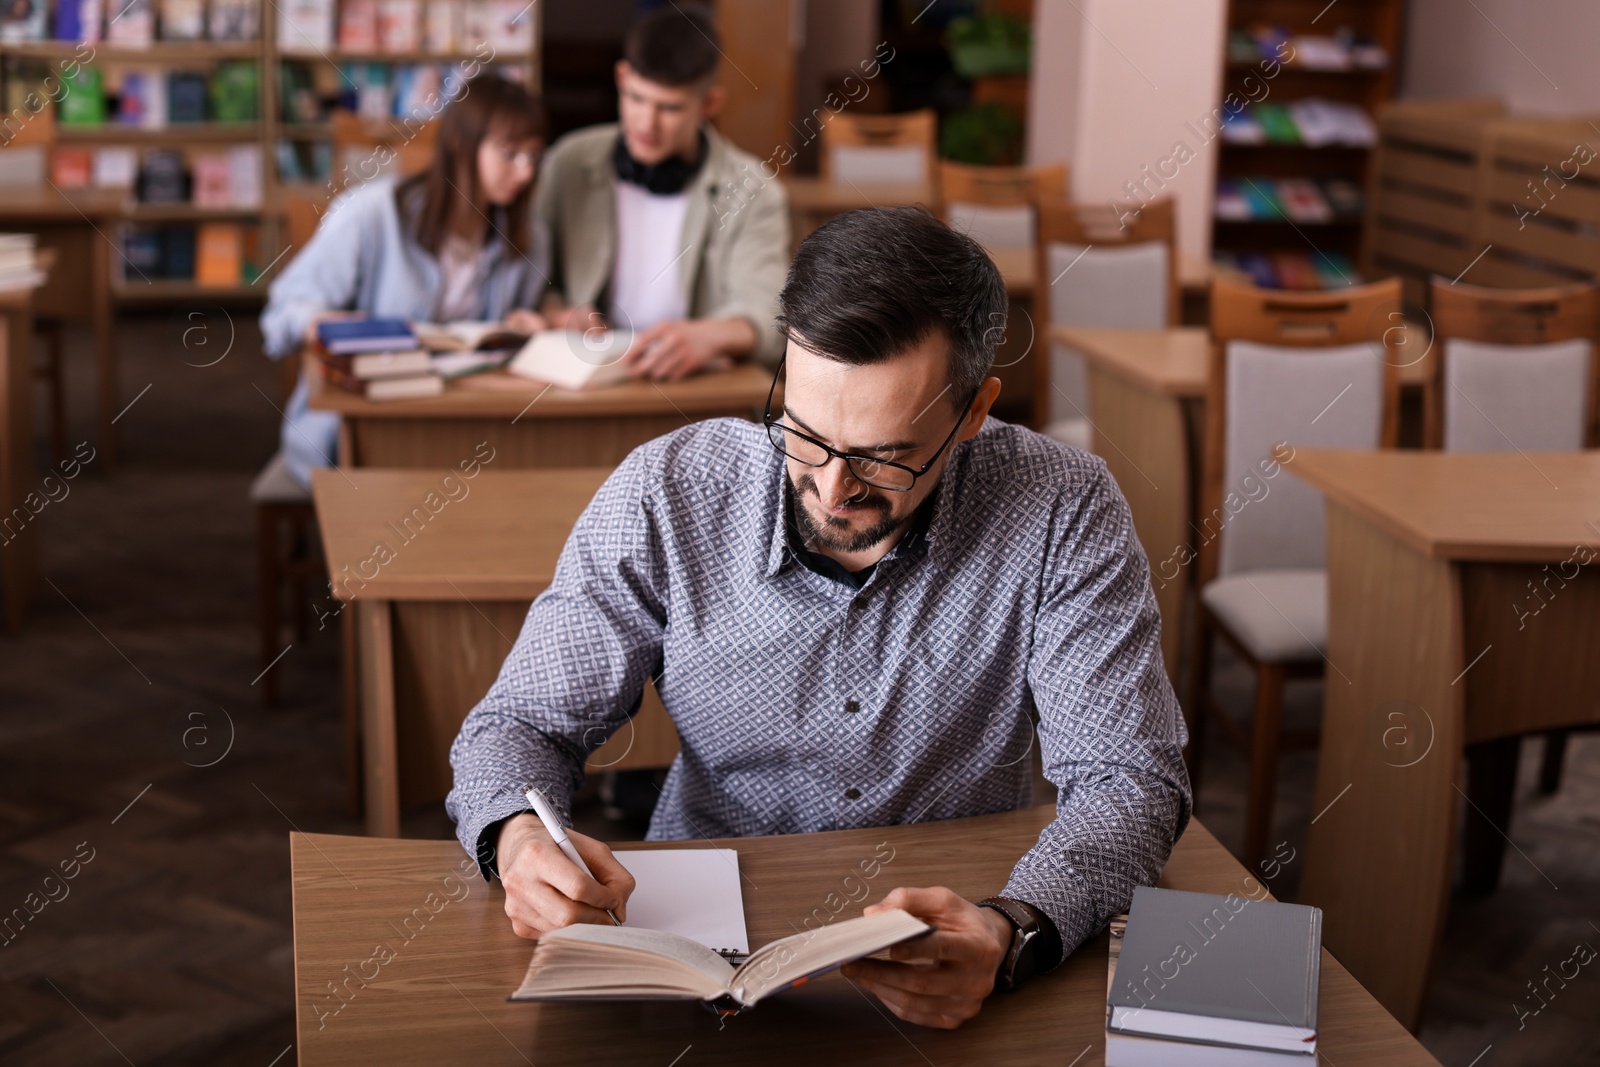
[780, 964]
[691, 892]
[588, 961]
[574, 359]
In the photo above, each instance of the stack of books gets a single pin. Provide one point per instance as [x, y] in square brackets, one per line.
[1300, 200]
[1198, 980]
[1292, 270]
[379, 358]
[105, 167]
[130, 23]
[1312, 122]
[17, 268]
[401, 27]
[154, 98]
[1344, 49]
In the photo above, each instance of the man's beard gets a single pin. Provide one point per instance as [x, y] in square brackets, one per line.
[835, 533]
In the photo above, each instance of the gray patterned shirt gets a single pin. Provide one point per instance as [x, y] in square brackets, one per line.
[805, 705]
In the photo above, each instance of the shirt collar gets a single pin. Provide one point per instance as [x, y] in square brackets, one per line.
[932, 536]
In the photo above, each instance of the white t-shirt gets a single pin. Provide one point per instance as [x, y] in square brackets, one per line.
[461, 277]
[647, 283]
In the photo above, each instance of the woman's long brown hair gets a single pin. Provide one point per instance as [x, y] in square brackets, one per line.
[489, 104]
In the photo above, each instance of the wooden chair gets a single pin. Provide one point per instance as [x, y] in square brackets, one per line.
[1514, 369]
[1090, 271]
[356, 141]
[998, 206]
[1533, 353]
[288, 549]
[1287, 369]
[880, 149]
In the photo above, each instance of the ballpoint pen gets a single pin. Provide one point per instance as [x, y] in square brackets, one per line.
[547, 815]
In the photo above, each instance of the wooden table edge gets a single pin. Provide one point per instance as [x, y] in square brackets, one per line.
[1131, 372]
[1454, 550]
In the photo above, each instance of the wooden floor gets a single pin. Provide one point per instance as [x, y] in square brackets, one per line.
[130, 733]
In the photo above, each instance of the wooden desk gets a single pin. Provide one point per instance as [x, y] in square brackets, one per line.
[1017, 267]
[1430, 556]
[434, 623]
[19, 477]
[80, 230]
[813, 200]
[1147, 392]
[1146, 404]
[529, 424]
[441, 997]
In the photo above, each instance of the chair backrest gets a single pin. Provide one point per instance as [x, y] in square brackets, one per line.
[1288, 369]
[1514, 368]
[357, 141]
[996, 206]
[1097, 273]
[879, 149]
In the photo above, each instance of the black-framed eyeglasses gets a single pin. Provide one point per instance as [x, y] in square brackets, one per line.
[869, 470]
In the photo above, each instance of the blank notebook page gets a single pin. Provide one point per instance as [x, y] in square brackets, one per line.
[691, 892]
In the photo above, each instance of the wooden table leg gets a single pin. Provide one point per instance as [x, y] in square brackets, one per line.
[1144, 439]
[18, 540]
[105, 352]
[1378, 858]
[379, 750]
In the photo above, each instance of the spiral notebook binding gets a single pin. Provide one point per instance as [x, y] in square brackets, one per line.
[732, 955]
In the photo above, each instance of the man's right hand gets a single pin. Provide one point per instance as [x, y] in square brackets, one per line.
[546, 891]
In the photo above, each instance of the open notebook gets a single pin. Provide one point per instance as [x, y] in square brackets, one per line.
[689, 892]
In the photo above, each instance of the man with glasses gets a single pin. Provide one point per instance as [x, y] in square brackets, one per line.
[854, 614]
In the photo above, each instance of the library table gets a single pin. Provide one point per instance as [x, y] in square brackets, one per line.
[438, 570]
[1460, 612]
[814, 200]
[403, 955]
[79, 228]
[531, 424]
[1146, 405]
[19, 475]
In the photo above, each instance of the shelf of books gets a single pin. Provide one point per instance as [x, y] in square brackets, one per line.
[169, 102]
[1295, 132]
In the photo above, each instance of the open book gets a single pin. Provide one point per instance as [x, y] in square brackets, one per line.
[626, 963]
[575, 359]
[467, 336]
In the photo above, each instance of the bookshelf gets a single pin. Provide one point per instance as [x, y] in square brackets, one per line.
[1293, 168]
[204, 202]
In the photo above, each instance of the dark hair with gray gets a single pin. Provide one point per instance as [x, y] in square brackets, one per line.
[675, 45]
[870, 284]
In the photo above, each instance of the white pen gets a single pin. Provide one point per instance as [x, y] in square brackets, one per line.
[547, 815]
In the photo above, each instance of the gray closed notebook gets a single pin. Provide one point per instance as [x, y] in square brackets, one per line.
[1224, 970]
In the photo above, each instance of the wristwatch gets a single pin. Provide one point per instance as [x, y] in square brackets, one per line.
[1022, 959]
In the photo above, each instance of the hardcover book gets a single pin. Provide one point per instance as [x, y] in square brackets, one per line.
[219, 254]
[1196, 968]
[183, 20]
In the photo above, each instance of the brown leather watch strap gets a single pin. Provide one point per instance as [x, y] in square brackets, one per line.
[1020, 961]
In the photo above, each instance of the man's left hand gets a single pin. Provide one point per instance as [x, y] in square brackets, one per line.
[940, 978]
[669, 351]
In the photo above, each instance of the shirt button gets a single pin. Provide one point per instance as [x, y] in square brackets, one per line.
[851, 707]
[852, 794]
